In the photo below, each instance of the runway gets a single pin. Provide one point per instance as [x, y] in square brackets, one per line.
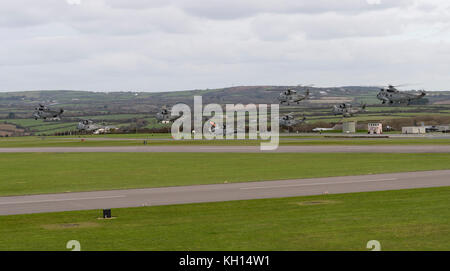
[244, 149]
[220, 192]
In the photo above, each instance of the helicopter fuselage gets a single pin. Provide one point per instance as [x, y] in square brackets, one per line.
[291, 96]
[45, 113]
[392, 96]
[347, 110]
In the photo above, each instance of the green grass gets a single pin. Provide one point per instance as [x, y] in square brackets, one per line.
[115, 117]
[35, 173]
[362, 141]
[119, 140]
[139, 136]
[416, 219]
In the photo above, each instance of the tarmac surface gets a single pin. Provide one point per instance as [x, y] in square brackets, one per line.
[220, 192]
[244, 149]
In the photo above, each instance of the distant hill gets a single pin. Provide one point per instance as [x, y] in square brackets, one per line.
[136, 110]
[140, 102]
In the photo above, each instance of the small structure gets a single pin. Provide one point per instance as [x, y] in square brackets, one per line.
[349, 127]
[414, 130]
[375, 128]
[106, 213]
[444, 128]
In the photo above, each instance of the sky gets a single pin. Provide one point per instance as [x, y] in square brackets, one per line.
[166, 45]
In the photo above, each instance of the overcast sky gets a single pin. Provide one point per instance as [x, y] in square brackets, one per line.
[162, 45]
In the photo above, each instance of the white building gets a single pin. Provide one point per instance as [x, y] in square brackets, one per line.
[375, 128]
[414, 130]
[349, 127]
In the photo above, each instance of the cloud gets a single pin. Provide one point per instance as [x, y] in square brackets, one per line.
[179, 44]
[329, 25]
[232, 9]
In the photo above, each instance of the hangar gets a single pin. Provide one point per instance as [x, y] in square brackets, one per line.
[413, 130]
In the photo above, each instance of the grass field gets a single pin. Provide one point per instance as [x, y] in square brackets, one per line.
[123, 140]
[35, 173]
[313, 115]
[416, 219]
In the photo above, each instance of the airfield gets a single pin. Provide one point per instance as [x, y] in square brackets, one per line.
[94, 92]
[240, 149]
[220, 192]
[165, 193]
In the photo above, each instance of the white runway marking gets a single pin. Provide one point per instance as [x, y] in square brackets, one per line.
[219, 148]
[56, 200]
[313, 184]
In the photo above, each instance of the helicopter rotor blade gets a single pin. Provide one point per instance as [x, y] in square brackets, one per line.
[404, 85]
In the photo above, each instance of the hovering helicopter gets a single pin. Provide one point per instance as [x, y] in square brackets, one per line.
[291, 96]
[165, 115]
[90, 126]
[392, 95]
[289, 120]
[347, 110]
[43, 112]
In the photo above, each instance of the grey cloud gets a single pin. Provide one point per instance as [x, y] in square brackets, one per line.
[329, 25]
[233, 9]
[174, 45]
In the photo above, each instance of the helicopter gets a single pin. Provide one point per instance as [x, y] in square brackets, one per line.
[164, 115]
[43, 112]
[288, 120]
[392, 95]
[90, 126]
[347, 110]
[291, 96]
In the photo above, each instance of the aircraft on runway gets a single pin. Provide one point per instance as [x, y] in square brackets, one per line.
[43, 112]
[90, 126]
[392, 95]
[290, 96]
[323, 129]
[347, 110]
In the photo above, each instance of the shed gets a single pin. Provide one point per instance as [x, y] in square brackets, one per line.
[413, 130]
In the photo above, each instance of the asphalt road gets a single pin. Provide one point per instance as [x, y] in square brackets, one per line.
[220, 192]
[243, 149]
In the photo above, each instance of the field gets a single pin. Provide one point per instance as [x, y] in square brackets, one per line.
[416, 219]
[35, 173]
[313, 116]
[131, 110]
[165, 139]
